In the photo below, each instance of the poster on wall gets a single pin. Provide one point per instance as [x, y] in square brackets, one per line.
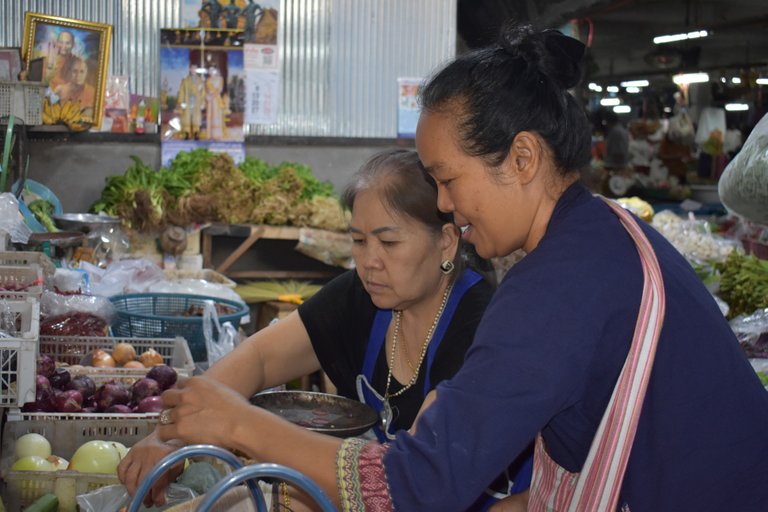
[259, 23]
[202, 91]
[408, 106]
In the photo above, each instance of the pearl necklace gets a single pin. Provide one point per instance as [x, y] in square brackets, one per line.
[395, 335]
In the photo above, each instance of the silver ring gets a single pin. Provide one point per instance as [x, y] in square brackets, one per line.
[165, 417]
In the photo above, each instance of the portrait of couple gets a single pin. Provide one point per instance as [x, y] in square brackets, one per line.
[202, 93]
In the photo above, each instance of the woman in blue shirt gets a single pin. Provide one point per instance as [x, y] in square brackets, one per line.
[385, 333]
[602, 342]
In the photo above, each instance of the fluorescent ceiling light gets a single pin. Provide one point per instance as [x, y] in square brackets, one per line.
[680, 37]
[594, 87]
[736, 80]
[612, 88]
[622, 109]
[690, 78]
[609, 102]
[636, 83]
[736, 107]
[633, 90]
[762, 81]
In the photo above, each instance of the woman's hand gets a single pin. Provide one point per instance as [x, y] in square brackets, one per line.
[202, 411]
[140, 460]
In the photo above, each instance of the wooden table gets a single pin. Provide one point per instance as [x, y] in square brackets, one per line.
[251, 234]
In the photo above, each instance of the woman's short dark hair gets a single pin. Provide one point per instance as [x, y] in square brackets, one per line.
[405, 187]
[519, 84]
[407, 190]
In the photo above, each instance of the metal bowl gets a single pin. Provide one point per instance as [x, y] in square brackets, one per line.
[85, 222]
[320, 412]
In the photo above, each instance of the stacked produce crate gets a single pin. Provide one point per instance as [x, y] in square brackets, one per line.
[26, 356]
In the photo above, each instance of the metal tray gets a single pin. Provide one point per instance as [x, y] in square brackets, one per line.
[84, 222]
[320, 412]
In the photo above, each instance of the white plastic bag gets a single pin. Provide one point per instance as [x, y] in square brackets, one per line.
[681, 128]
[711, 120]
[11, 221]
[124, 276]
[743, 187]
[111, 498]
[226, 336]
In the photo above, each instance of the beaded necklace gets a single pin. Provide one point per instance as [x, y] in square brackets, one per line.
[398, 317]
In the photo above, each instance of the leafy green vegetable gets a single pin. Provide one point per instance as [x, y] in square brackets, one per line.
[312, 186]
[42, 209]
[743, 283]
[763, 378]
[202, 186]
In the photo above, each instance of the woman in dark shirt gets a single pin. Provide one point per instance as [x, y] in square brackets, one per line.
[386, 333]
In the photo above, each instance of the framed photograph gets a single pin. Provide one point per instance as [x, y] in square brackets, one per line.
[75, 55]
[10, 63]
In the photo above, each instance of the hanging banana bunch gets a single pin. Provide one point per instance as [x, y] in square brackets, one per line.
[67, 113]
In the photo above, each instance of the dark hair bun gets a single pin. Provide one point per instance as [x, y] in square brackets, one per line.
[549, 52]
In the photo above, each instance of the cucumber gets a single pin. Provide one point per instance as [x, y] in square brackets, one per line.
[45, 503]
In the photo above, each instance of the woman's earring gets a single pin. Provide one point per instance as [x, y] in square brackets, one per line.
[446, 267]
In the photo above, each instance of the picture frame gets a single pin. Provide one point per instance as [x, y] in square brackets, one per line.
[75, 55]
[10, 63]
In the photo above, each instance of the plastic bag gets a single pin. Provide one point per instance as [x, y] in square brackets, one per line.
[67, 280]
[711, 122]
[11, 221]
[680, 129]
[7, 320]
[195, 287]
[124, 276]
[227, 334]
[752, 330]
[693, 238]
[54, 304]
[111, 498]
[743, 187]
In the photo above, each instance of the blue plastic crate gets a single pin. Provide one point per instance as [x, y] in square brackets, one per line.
[166, 315]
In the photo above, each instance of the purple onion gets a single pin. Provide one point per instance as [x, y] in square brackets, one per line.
[69, 401]
[60, 378]
[84, 384]
[110, 394]
[150, 404]
[45, 365]
[44, 397]
[143, 388]
[164, 375]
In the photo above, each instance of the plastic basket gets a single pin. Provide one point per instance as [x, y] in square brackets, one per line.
[18, 354]
[24, 487]
[22, 99]
[65, 434]
[71, 350]
[26, 258]
[29, 278]
[162, 315]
